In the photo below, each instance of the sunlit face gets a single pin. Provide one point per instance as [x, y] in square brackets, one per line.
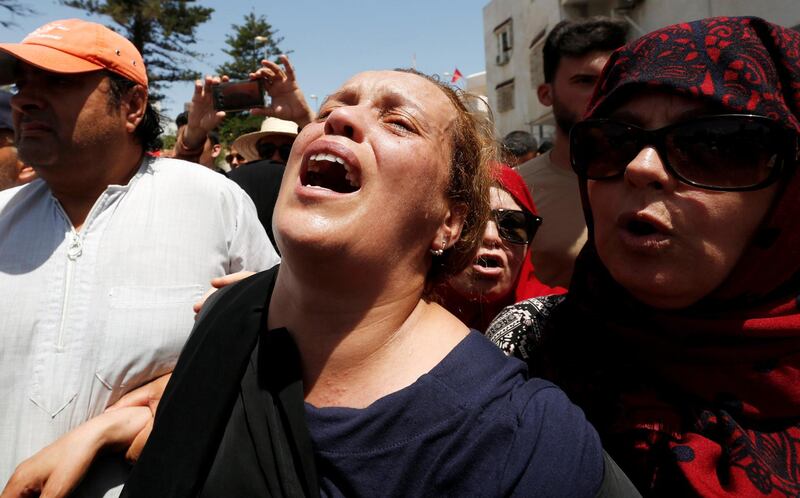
[60, 117]
[368, 177]
[234, 158]
[669, 244]
[573, 85]
[494, 271]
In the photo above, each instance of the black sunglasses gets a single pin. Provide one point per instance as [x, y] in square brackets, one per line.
[515, 226]
[230, 157]
[266, 150]
[728, 152]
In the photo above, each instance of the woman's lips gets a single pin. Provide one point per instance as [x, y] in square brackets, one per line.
[482, 271]
[488, 265]
[644, 233]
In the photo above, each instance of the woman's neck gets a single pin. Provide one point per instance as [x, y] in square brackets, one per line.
[358, 346]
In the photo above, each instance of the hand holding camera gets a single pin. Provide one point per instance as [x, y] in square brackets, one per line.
[216, 95]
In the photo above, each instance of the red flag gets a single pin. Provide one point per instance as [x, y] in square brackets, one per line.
[456, 76]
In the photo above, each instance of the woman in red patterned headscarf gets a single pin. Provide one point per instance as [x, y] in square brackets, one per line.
[680, 335]
[501, 272]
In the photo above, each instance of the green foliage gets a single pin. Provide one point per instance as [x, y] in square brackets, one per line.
[15, 8]
[245, 51]
[162, 30]
[168, 142]
[238, 124]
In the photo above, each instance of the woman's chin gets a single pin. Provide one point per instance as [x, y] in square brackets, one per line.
[487, 293]
[664, 295]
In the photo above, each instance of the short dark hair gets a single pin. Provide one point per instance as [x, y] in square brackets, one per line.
[213, 135]
[182, 119]
[518, 143]
[149, 130]
[580, 37]
[545, 146]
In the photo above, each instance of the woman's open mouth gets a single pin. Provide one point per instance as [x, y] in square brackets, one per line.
[331, 172]
[488, 262]
[488, 265]
[644, 232]
[641, 228]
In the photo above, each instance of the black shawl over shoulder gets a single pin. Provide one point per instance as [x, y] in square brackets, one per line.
[231, 421]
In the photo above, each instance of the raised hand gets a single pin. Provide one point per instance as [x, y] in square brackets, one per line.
[287, 100]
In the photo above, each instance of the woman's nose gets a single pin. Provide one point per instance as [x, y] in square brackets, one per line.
[491, 236]
[346, 121]
[647, 169]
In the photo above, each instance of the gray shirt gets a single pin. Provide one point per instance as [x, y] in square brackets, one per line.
[563, 232]
[86, 316]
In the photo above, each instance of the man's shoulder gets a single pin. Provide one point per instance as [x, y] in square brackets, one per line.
[34, 190]
[190, 176]
[171, 166]
[539, 162]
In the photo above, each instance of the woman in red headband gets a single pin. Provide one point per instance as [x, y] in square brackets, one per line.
[501, 272]
[680, 335]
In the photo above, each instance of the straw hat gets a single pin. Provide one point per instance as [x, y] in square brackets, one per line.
[246, 144]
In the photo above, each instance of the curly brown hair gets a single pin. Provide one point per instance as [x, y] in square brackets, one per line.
[473, 150]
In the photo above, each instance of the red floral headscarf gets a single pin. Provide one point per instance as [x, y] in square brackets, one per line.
[704, 400]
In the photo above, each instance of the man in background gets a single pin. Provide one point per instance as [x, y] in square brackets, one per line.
[574, 55]
[211, 150]
[519, 146]
[108, 250]
[273, 142]
[12, 171]
[267, 150]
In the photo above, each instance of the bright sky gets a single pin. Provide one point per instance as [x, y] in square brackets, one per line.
[331, 40]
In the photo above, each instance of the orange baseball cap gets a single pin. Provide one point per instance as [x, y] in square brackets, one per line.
[74, 46]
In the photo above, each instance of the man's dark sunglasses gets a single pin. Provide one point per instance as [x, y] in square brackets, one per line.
[729, 152]
[515, 226]
[266, 150]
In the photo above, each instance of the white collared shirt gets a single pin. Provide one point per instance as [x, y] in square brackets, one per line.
[88, 315]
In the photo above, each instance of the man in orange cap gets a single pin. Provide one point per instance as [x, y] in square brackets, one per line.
[107, 251]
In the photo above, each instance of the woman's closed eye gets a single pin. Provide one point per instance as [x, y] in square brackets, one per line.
[399, 123]
[324, 113]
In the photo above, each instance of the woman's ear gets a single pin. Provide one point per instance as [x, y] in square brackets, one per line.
[449, 231]
[136, 101]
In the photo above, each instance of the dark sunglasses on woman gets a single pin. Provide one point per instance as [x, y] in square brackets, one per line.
[728, 152]
[515, 226]
[267, 150]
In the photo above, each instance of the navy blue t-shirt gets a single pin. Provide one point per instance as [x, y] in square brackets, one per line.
[472, 426]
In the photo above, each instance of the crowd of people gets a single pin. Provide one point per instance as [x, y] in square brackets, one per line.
[407, 305]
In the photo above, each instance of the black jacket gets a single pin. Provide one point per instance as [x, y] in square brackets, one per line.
[231, 421]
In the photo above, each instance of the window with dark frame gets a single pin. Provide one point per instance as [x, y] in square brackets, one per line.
[505, 96]
[505, 42]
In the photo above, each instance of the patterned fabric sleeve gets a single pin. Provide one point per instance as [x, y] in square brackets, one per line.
[519, 328]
